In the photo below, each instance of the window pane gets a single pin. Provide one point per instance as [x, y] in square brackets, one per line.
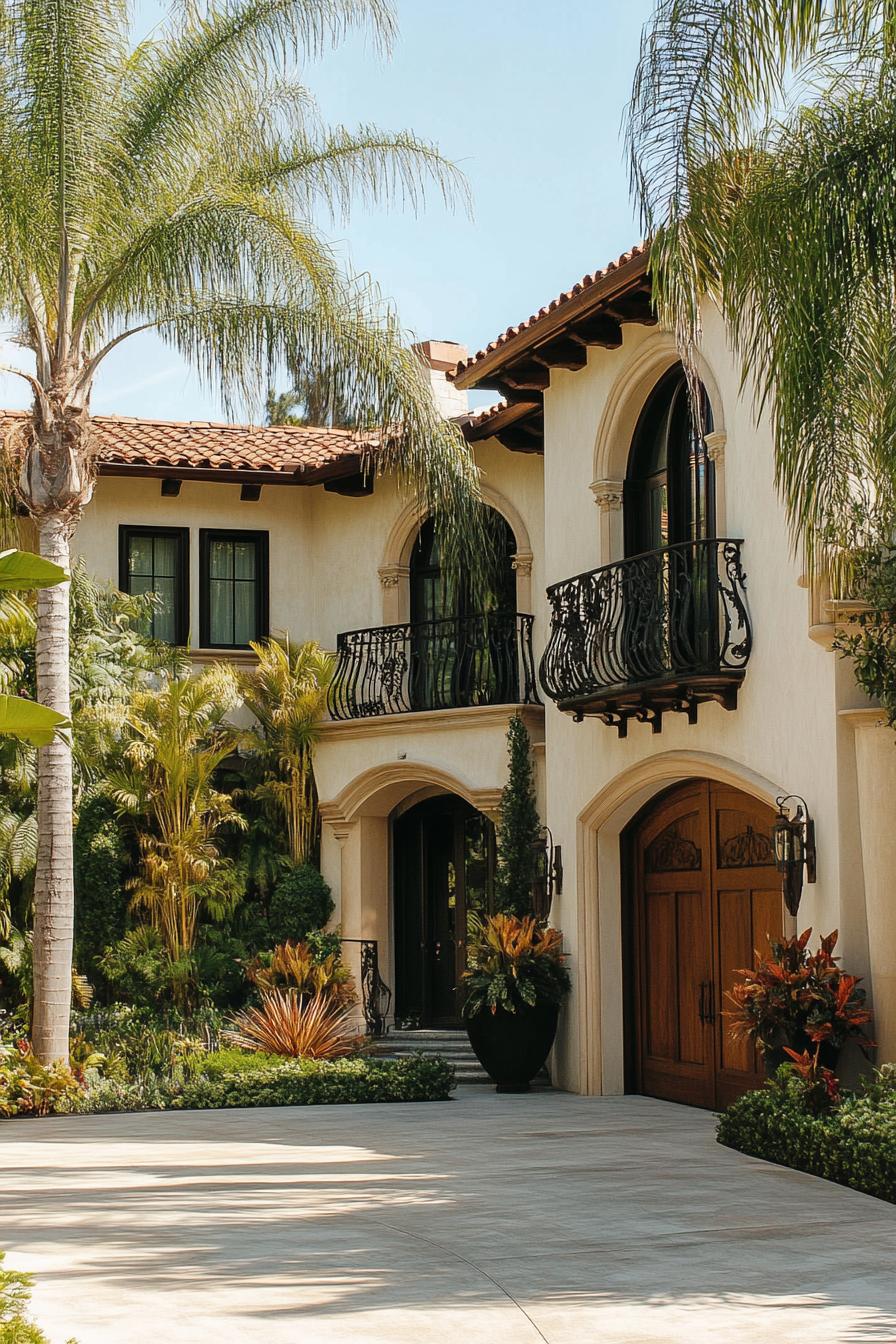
[220, 619]
[165, 557]
[220, 559]
[244, 559]
[244, 613]
[140, 556]
[163, 622]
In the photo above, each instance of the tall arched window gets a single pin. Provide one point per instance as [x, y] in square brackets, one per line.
[670, 482]
[463, 649]
[435, 596]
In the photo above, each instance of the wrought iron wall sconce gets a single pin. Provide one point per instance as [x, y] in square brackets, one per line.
[793, 836]
[548, 872]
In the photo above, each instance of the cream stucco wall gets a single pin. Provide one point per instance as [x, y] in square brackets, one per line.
[784, 735]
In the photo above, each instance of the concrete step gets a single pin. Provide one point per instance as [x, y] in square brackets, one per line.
[453, 1046]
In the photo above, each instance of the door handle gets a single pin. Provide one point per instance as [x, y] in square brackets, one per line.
[706, 1009]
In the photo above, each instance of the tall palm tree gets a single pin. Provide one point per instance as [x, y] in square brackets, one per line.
[287, 693]
[172, 186]
[763, 149]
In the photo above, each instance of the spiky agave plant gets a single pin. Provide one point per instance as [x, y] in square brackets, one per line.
[318, 1026]
[170, 184]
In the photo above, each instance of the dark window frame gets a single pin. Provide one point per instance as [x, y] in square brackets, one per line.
[181, 536]
[262, 595]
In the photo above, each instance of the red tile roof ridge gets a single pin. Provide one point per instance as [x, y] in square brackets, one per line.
[586, 282]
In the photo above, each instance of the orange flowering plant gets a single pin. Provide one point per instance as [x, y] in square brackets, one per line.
[794, 993]
[513, 961]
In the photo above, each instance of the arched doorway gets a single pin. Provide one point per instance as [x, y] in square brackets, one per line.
[669, 495]
[464, 648]
[702, 895]
[444, 855]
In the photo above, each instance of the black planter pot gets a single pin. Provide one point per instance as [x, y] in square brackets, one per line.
[512, 1047]
[828, 1055]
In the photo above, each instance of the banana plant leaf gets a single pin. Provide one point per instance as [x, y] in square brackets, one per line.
[21, 570]
[29, 721]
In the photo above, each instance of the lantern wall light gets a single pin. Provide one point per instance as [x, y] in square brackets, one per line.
[793, 836]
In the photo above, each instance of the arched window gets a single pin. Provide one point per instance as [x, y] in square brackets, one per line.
[463, 647]
[670, 482]
[434, 596]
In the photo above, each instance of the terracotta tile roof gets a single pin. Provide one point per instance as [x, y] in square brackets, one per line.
[282, 450]
[639, 251]
[476, 419]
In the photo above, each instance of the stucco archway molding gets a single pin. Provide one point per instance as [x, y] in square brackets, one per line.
[599, 915]
[395, 565]
[613, 441]
[377, 791]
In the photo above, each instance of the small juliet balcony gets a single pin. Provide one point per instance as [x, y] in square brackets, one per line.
[658, 632]
[455, 663]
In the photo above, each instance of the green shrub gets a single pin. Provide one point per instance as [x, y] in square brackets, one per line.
[322, 1082]
[519, 828]
[301, 902]
[853, 1144]
[231, 1078]
[28, 1087]
[101, 864]
[15, 1294]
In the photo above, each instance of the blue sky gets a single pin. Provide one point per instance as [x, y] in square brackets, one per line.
[527, 97]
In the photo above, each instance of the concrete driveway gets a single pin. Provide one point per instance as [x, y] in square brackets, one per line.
[484, 1220]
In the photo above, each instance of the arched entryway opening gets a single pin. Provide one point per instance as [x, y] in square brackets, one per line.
[443, 854]
[700, 896]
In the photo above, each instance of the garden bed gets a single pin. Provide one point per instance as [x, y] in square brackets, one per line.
[229, 1078]
[852, 1143]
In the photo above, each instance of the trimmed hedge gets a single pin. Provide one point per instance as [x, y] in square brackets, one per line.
[854, 1144]
[320, 1082]
[230, 1078]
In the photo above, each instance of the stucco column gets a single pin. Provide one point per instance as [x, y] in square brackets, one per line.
[876, 777]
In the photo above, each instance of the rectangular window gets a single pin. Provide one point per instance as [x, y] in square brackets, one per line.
[155, 560]
[233, 588]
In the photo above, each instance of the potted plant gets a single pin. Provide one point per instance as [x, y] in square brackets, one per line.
[795, 1001]
[516, 980]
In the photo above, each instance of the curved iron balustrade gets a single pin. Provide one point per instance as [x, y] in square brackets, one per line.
[447, 664]
[660, 631]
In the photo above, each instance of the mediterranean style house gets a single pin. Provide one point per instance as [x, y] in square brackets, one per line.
[650, 624]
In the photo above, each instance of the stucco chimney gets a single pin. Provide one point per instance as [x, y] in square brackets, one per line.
[439, 357]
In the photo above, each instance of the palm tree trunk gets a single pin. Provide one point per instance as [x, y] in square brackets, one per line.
[54, 896]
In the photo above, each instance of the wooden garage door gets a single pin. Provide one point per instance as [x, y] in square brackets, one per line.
[706, 895]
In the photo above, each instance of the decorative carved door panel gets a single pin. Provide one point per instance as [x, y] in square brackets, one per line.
[706, 896]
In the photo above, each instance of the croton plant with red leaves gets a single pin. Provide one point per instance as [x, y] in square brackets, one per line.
[792, 991]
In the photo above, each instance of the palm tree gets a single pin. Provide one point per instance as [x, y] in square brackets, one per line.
[287, 693]
[763, 154]
[171, 186]
[177, 738]
[312, 400]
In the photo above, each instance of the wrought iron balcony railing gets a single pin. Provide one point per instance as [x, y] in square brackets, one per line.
[448, 664]
[661, 631]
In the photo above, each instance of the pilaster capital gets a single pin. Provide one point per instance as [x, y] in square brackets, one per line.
[391, 575]
[715, 445]
[607, 495]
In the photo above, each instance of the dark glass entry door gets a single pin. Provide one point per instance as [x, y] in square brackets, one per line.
[443, 864]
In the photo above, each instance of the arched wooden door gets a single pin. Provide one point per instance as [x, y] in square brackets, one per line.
[705, 896]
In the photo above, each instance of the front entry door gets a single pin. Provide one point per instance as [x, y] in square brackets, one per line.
[706, 897]
[443, 864]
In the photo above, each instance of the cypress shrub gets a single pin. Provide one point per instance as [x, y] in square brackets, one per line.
[519, 829]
